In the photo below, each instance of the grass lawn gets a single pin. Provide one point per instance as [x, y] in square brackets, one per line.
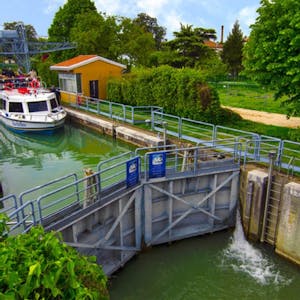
[249, 96]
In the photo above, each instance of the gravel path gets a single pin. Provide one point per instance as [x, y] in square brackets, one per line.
[266, 118]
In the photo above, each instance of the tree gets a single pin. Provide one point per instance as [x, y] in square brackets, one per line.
[232, 53]
[189, 46]
[135, 45]
[63, 22]
[95, 33]
[65, 19]
[272, 52]
[150, 25]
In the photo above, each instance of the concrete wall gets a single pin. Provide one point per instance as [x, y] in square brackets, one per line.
[259, 214]
[288, 237]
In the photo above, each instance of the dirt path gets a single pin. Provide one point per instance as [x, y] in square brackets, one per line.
[266, 118]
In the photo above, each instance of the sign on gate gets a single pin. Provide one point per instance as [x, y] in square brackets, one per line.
[157, 164]
[132, 172]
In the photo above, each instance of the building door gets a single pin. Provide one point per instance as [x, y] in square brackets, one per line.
[94, 90]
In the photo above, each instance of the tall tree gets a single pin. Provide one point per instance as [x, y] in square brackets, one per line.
[150, 25]
[189, 46]
[135, 45]
[95, 33]
[232, 53]
[65, 19]
[63, 22]
[272, 53]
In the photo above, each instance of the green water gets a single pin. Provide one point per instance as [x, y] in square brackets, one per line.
[29, 160]
[217, 266]
[207, 267]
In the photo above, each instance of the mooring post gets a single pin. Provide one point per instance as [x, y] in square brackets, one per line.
[272, 155]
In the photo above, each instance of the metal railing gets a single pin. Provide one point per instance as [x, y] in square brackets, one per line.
[67, 194]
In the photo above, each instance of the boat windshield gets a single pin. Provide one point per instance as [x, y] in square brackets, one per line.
[37, 106]
[15, 107]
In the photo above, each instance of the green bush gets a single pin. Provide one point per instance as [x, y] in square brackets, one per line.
[38, 265]
[182, 92]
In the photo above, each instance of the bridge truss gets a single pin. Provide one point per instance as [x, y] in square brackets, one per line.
[14, 44]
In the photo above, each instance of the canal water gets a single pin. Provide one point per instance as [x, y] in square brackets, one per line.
[217, 266]
[28, 160]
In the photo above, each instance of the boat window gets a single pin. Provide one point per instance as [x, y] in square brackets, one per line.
[37, 106]
[2, 104]
[53, 103]
[15, 107]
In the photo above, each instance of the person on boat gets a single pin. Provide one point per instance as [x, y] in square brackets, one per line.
[10, 73]
[55, 90]
[20, 71]
[32, 74]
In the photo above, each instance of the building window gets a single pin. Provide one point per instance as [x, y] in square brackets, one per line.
[70, 82]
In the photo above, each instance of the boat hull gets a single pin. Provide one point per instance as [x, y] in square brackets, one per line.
[22, 126]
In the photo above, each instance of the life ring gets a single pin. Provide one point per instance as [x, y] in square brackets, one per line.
[34, 83]
[79, 100]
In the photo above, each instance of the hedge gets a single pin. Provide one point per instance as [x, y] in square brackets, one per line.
[182, 92]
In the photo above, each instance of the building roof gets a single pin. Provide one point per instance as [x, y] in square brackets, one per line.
[82, 60]
[213, 45]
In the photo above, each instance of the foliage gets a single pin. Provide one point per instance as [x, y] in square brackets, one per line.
[100, 38]
[181, 92]
[3, 226]
[188, 46]
[135, 45]
[150, 25]
[42, 67]
[37, 265]
[212, 67]
[63, 22]
[233, 50]
[272, 53]
[65, 18]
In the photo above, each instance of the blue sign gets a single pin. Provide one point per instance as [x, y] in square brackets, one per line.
[157, 164]
[132, 172]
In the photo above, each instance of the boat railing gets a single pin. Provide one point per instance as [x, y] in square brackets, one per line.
[21, 82]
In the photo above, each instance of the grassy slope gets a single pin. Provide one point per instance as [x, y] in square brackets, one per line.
[251, 96]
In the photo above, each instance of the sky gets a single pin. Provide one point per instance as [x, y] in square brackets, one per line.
[169, 13]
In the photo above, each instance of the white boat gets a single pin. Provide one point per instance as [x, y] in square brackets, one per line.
[25, 106]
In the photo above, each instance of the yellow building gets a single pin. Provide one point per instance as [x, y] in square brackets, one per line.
[86, 75]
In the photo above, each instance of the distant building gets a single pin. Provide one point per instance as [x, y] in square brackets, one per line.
[86, 75]
[218, 47]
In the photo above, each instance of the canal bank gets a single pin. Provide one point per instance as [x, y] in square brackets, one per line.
[115, 129]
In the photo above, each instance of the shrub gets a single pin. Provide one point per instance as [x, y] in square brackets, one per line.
[38, 265]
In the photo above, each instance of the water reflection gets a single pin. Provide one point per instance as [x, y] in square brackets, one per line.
[28, 160]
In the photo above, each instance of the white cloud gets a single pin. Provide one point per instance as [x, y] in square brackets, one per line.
[246, 17]
[51, 6]
[113, 7]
